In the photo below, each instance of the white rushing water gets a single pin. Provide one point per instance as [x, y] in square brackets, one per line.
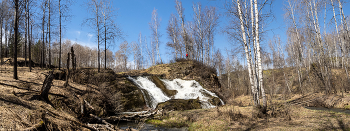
[186, 89]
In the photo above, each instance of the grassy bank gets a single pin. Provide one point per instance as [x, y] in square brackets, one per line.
[281, 116]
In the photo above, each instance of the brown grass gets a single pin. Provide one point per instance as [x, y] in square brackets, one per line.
[20, 106]
[280, 116]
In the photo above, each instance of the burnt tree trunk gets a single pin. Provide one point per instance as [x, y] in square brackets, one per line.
[73, 56]
[47, 85]
[68, 59]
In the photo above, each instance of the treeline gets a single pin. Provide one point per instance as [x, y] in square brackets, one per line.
[314, 58]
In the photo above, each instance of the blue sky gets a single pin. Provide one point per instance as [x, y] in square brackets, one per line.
[134, 16]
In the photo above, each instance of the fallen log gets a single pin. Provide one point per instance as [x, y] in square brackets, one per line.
[129, 116]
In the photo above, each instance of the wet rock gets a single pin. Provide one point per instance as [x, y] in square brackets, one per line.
[180, 105]
[161, 85]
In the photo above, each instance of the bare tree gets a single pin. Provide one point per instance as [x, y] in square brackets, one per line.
[43, 7]
[49, 31]
[136, 49]
[173, 35]
[63, 9]
[185, 39]
[154, 25]
[111, 31]
[122, 57]
[199, 30]
[94, 7]
[15, 76]
[211, 17]
[246, 34]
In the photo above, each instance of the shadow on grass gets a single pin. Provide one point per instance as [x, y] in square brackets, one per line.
[38, 97]
[330, 126]
[9, 99]
[31, 89]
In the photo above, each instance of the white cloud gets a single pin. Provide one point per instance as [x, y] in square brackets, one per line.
[89, 36]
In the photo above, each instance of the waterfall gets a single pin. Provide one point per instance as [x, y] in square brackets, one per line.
[186, 89]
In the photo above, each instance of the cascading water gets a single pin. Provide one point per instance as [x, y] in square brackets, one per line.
[190, 89]
[154, 94]
[186, 89]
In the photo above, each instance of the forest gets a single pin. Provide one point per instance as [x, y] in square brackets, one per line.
[308, 66]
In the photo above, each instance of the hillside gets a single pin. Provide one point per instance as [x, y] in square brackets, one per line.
[108, 93]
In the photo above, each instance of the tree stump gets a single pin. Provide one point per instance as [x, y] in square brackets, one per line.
[47, 85]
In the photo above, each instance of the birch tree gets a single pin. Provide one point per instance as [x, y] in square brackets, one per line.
[154, 25]
[199, 30]
[184, 34]
[212, 21]
[291, 10]
[245, 29]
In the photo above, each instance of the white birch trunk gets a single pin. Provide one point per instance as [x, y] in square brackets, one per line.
[300, 55]
[261, 84]
[247, 54]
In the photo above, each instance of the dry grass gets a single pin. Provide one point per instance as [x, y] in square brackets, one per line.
[280, 116]
[21, 108]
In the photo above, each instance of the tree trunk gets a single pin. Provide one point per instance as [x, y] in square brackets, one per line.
[43, 42]
[49, 35]
[253, 62]
[98, 37]
[47, 85]
[261, 84]
[59, 59]
[300, 50]
[16, 42]
[25, 34]
[105, 46]
[30, 54]
[1, 52]
[68, 60]
[346, 28]
[247, 55]
[73, 59]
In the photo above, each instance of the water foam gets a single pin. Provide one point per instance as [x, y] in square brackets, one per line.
[186, 89]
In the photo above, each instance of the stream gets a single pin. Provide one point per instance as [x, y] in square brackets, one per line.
[329, 109]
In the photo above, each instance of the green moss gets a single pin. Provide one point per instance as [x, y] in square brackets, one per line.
[180, 104]
[347, 107]
[153, 121]
[168, 123]
[134, 99]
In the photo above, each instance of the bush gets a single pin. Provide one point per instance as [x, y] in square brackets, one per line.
[108, 102]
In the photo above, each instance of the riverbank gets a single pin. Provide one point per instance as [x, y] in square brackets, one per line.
[281, 115]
